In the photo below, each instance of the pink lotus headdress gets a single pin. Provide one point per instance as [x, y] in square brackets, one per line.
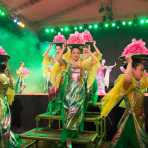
[3, 54]
[87, 37]
[59, 39]
[2, 51]
[136, 47]
[75, 38]
[25, 71]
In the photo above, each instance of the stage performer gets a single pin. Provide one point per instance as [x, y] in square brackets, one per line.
[130, 87]
[90, 49]
[107, 74]
[59, 40]
[47, 64]
[100, 78]
[7, 138]
[69, 77]
[49, 60]
[22, 72]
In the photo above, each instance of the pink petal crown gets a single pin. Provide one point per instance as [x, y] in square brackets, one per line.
[59, 39]
[87, 37]
[25, 71]
[2, 51]
[75, 38]
[136, 47]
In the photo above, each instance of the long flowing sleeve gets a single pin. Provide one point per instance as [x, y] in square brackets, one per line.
[46, 59]
[114, 96]
[67, 56]
[144, 82]
[98, 55]
[56, 74]
[4, 83]
[91, 65]
[45, 64]
[10, 95]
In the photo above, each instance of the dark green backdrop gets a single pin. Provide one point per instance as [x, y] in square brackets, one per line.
[29, 48]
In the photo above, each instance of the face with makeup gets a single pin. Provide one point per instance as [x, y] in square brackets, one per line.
[103, 62]
[75, 54]
[22, 64]
[58, 49]
[138, 71]
[86, 50]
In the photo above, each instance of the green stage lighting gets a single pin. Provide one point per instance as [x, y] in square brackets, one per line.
[130, 23]
[47, 30]
[106, 25]
[2, 13]
[90, 26]
[142, 21]
[52, 30]
[95, 26]
[80, 27]
[123, 23]
[66, 28]
[113, 24]
[75, 28]
[62, 29]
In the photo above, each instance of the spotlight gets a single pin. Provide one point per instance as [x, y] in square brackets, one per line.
[113, 24]
[90, 26]
[142, 21]
[66, 28]
[47, 30]
[95, 26]
[106, 25]
[52, 30]
[80, 27]
[130, 23]
[62, 29]
[123, 23]
[75, 28]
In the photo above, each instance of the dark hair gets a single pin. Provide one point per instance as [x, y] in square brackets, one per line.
[59, 44]
[75, 48]
[21, 63]
[4, 58]
[135, 63]
[3, 67]
[86, 46]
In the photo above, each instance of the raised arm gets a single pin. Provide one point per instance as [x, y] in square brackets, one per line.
[96, 48]
[47, 51]
[112, 98]
[97, 52]
[59, 56]
[128, 74]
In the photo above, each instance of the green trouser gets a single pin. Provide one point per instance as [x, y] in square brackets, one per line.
[126, 136]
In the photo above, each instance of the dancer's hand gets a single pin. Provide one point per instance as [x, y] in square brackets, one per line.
[96, 48]
[68, 48]
[46, 52]
[129, 59]
[63, 48]
[94, 43]
[49, 47]
[89, 49]
[128, 73]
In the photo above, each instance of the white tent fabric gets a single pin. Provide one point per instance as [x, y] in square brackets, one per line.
[59, 12]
